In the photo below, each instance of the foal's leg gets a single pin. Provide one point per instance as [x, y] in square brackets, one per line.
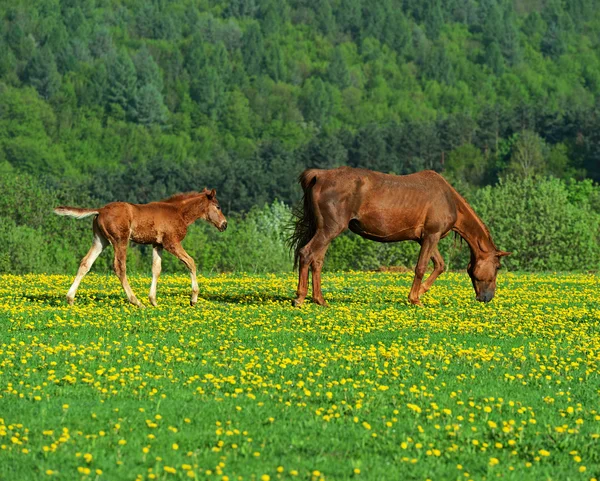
[156, 267]
[120, 265]
[438, 268]
[178, 251]
[428, 244]
[98, 245]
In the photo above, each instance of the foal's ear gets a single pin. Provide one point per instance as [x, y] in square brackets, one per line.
[503, 253]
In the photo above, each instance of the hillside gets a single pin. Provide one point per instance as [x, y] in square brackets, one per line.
[134, 100]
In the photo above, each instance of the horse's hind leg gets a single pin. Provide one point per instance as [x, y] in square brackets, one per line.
[98, 245]
[156, 268]
[438, 268]
[302, 278]
[428, 244]
[317, 266]
[120, 265]
[312, 255]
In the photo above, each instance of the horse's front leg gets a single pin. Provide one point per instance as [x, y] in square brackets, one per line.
[156, 268]
[428, 244]
[178, 251]
[438, 268]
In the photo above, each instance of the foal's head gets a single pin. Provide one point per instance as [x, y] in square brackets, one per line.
[213, 211]
[483, 271]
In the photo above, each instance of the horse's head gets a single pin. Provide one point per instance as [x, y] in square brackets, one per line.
[483, 271]
[213, 213]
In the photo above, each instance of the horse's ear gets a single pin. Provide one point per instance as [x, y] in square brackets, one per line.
[503, 253]
[213, 193]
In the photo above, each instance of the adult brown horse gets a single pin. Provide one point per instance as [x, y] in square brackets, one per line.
[163, 224]
[422, 207]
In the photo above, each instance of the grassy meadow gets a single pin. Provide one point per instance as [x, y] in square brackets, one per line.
[244, 387]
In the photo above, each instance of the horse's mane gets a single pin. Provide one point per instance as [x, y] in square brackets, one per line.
[477, 219]
[181, 196]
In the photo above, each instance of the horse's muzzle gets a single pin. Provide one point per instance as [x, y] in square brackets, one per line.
[486, 296]
[223, 226]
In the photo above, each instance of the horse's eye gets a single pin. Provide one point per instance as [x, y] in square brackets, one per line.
[218, 207]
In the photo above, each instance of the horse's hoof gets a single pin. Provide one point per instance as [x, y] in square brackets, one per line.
[152, 301]
[193, 303]
[297, 302]
[416, 302]
[321, 302]
[70, 301]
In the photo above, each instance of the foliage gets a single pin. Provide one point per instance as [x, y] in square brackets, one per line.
[547, 223]
[130, 100]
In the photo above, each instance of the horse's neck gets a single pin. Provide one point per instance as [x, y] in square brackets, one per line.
[472, 229]
[193, 209]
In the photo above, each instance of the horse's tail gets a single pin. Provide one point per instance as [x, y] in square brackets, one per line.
[75, 212]
[304, 223]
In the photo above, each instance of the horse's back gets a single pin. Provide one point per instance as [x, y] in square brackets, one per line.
[385, 207]
[369, 184]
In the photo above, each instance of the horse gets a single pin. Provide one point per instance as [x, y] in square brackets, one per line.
[421, 207]
[162, 224]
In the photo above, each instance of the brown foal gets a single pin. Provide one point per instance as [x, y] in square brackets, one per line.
[163, 224]
[422, 207]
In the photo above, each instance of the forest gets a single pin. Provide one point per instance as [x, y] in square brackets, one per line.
[104, 100]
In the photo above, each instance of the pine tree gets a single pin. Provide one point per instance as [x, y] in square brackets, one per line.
[253, 49]
[494, 58]
[42, 73]
[122, 82]
[148, 72]
[337, 72]
[150, 107]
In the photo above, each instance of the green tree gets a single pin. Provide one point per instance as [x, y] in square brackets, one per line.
[466, 164]
[434, 18]
[527, 157]
[147, 70]
[122, 83]
[150, 108]
[337, 71]
[316, 101]
[253, 49]
[42, 74]
[494, 58]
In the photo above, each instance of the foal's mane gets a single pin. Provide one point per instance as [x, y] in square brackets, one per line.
[182, 196]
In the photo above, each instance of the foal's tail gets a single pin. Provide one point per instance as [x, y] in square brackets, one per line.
[75, 212]
[304, 225]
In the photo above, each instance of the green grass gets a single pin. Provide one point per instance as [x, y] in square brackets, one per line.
[249, 388]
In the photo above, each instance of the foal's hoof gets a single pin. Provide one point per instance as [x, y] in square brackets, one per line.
[152, 301]
[70, 301]
[193, 302]
[297, 302]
